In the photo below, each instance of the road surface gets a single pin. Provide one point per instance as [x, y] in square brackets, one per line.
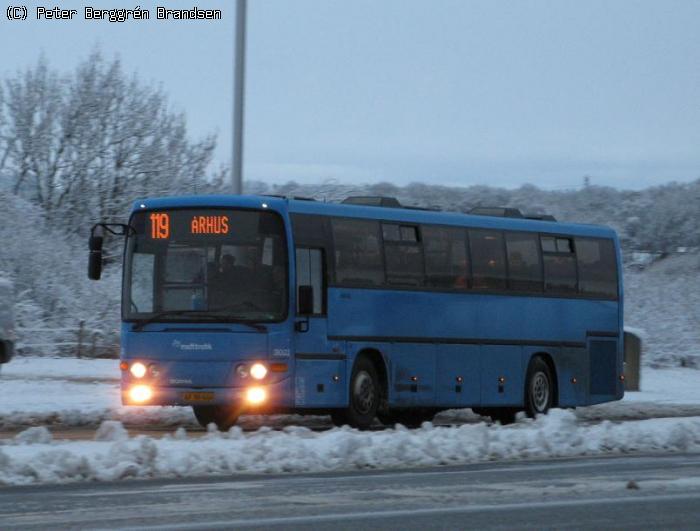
[620, 492]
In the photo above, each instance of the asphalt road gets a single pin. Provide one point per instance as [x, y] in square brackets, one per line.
[623, 492]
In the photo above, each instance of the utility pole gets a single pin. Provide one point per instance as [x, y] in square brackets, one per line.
[238, 98]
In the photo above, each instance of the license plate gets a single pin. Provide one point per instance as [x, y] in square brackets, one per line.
[198, 397]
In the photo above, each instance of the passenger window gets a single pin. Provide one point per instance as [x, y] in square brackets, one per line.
[358, 256]
[559, 273]
[391, 232]
[309, 267]
[559, 265]
[549, 244]
[488, 259]
[597, 267]
[403, 233]
[314, 232]
[446, 264]
[409, 234]
[564, 245]
[524, 266]
[403, 258]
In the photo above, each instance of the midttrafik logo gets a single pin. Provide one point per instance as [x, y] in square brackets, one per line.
[191, 346]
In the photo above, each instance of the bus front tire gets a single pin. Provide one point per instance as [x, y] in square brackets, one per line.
[224, 417]
[539, 388]
[364, 396]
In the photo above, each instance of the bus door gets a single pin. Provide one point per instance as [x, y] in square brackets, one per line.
[320, 364]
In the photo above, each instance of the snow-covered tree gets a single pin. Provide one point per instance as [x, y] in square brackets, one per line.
[82, 146]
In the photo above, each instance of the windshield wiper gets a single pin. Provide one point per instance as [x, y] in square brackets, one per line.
[211, 316]
[227, 317]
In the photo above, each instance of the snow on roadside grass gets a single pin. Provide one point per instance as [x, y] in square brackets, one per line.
[64, 368]
[33, 458]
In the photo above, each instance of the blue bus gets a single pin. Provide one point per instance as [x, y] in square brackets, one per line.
[363, 310]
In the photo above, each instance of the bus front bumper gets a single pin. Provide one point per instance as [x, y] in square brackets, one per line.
[254, 396]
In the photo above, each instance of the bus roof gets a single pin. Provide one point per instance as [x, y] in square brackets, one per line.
[407, 215]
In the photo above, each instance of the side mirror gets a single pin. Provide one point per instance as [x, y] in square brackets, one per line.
[95, 258]
[306, 300]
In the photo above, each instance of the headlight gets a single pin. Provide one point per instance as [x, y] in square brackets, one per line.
[140, 393]
[256, 395]
[258, 371]
[138, 370]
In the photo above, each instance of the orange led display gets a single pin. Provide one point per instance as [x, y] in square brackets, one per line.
[209, 225]
[160, 226]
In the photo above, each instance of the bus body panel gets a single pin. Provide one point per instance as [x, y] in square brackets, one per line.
[321, 383]
[465, 318]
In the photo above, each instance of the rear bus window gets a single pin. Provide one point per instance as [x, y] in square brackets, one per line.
[559, 265]
[597, 267]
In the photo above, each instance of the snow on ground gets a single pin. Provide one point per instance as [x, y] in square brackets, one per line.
[32, 457]
[71, 392]
[89, 370]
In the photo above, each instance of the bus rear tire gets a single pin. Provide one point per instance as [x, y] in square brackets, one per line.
[539, 388]
[224, 417]
[364, 397]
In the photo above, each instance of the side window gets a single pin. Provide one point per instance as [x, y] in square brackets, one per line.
[524, 266]
[358, 252]
[488, 259]
[549, 244]
[314, 232]
[559, 265]
[446, 263]
[597, 267]
[403, 255]
[309, 268]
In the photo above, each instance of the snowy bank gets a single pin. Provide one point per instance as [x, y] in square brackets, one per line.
[32, 457]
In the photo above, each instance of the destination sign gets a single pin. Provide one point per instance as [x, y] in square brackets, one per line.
[211, 224]
[183, 223]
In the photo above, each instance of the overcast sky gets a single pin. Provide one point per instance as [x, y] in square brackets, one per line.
[446, 92]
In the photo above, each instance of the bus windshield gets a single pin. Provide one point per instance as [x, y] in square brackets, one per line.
[206, 265]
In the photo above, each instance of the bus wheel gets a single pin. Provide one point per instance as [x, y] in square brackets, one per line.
[223, 416]
[364, 396]
[539, 388]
